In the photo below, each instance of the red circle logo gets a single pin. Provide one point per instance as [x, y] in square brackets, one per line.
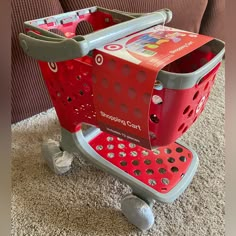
[113, 47]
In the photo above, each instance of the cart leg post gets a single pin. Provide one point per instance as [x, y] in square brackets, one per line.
[139, 193]
[67, 142]
[58, 155]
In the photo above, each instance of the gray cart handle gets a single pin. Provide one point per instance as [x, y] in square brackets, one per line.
[60, 49]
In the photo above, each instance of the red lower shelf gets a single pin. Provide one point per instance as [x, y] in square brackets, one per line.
[161, 169]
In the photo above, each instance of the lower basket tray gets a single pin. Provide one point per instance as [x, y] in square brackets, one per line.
[161, 174]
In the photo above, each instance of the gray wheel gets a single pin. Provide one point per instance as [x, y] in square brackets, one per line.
[59, 161]
[137, 211]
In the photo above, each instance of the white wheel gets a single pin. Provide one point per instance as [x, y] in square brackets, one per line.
[59, 161]
[137, 211]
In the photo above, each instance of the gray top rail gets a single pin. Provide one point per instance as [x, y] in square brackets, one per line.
[53, 49]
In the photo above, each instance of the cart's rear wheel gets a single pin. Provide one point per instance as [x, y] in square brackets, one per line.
[137, 211]
[58, 160]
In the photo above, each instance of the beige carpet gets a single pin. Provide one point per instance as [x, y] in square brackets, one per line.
[86, 201]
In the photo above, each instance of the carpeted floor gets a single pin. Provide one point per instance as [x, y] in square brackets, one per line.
[86, 201]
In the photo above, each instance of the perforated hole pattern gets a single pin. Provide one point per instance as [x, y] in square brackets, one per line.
[161, 169]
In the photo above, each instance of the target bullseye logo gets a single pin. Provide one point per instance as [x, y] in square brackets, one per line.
[200, 104]
[113, 47]
[99, 59]
[53, 66]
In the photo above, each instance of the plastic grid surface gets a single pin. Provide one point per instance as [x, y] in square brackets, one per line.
[161, 169]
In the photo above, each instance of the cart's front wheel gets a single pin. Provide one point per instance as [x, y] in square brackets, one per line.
[58, 160]
[137, 211]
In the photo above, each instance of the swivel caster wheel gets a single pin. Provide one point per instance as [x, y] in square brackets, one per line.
[58, 160]
[137, 211]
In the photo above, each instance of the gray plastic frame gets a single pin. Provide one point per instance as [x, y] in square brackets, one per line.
[78, 143]
[51, 47]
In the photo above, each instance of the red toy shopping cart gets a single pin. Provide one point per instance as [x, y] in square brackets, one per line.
[138, 85]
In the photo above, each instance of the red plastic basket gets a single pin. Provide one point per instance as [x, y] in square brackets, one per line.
[178, 109]
[70, 85]
[172, 111]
